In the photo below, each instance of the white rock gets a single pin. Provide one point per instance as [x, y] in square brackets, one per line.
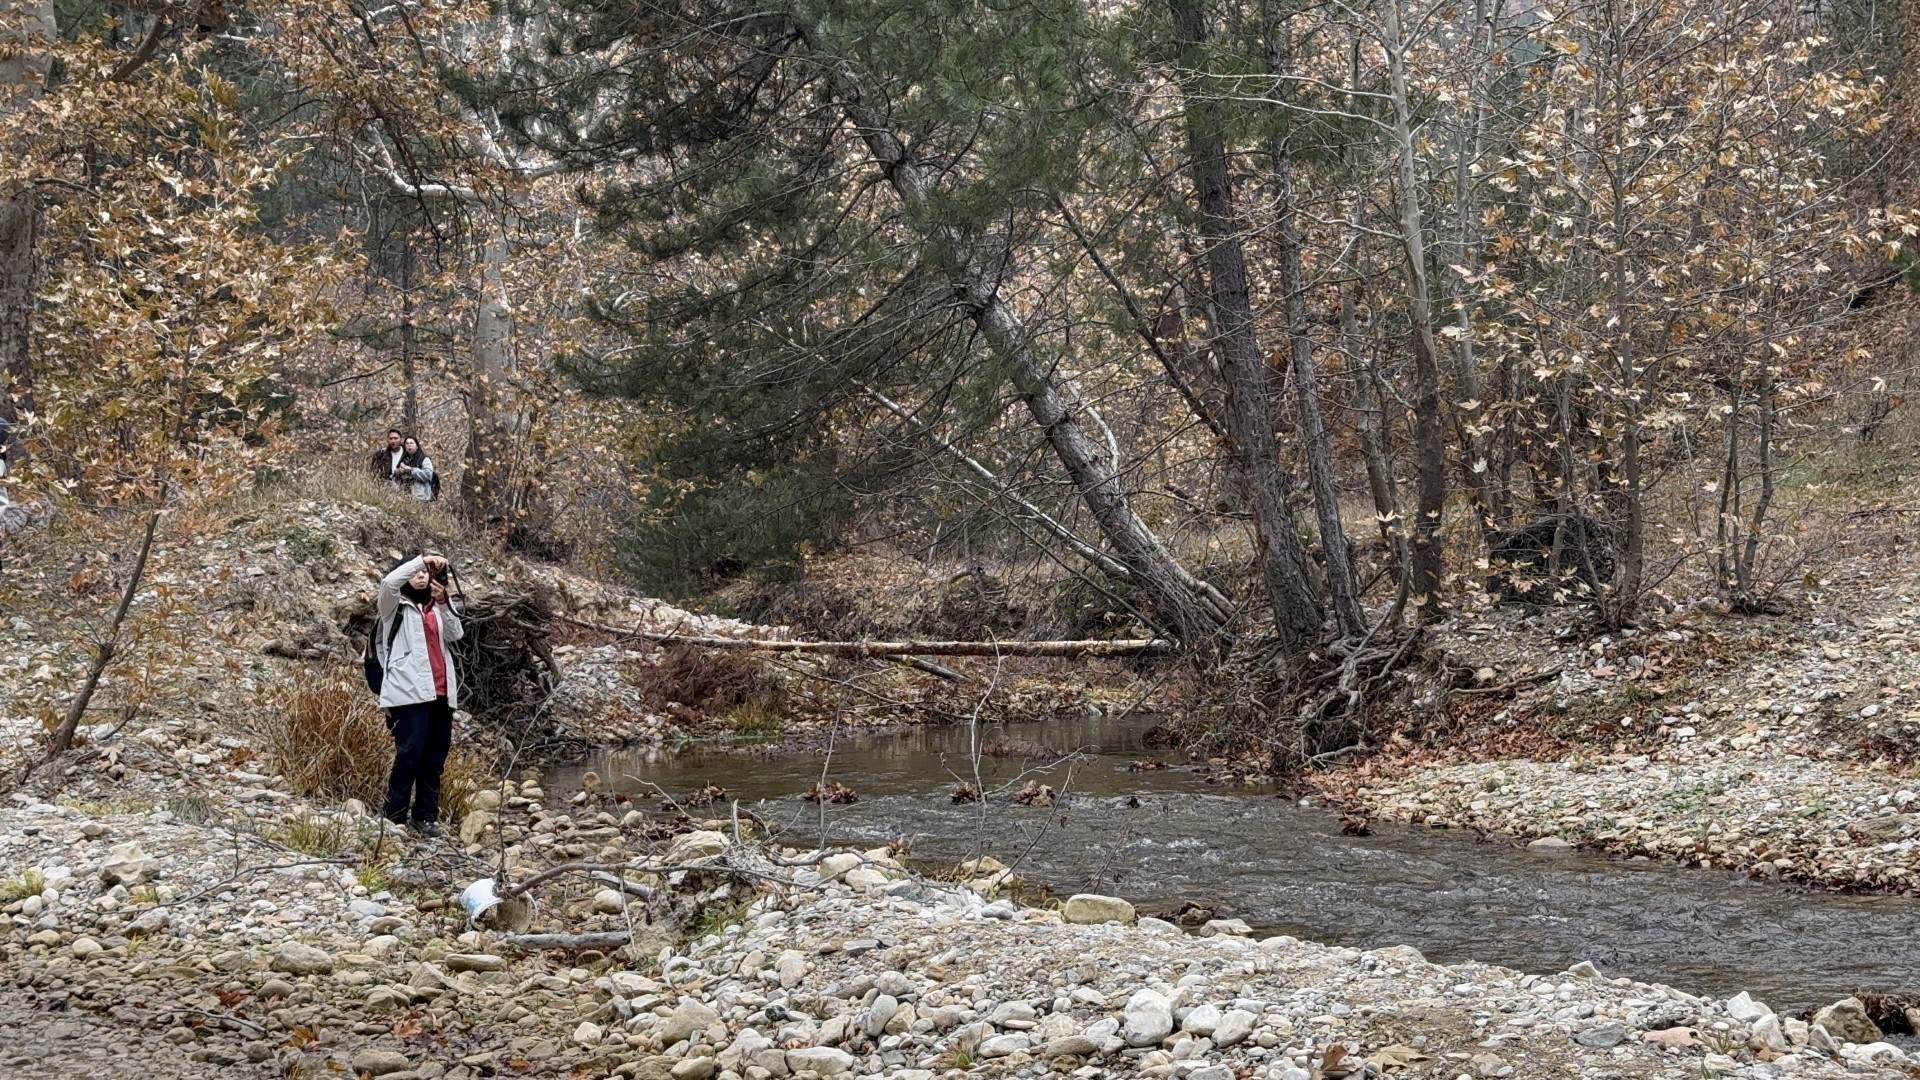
[1087, 909]
[1201, 1020]
[837, 864]
[1002, 1045]
[1148, 1019]
[689, 1019]
[609, 902]
[825, 1060]
[1235, 1025]
[879, 1013]
[126, 864]
[297, 958]
[587, 1034]
[1741, 1006]
[1768, 1034]
[1874, 1053]
[862, 878]
[693, 846]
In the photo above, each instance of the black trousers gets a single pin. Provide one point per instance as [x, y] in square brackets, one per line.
[422, 735]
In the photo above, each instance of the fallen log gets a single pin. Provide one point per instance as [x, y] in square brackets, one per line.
[1093, 647]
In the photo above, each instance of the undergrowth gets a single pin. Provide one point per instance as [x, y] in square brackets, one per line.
[327, 736]
[22, 885]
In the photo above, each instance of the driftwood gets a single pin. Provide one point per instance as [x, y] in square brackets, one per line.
[887, 649]
[610, 939]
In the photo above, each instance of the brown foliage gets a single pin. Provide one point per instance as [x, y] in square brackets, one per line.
[1033, 793]
[833, 791]
[710, 681]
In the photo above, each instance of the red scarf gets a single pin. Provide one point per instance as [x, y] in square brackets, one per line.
[431, 622]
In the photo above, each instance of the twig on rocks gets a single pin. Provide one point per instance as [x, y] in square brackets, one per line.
[251, 870]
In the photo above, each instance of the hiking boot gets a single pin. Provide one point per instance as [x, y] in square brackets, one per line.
[427, 830]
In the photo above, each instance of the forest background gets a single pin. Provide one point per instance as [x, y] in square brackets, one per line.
[1277, 331]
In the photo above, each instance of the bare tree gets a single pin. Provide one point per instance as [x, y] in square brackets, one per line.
[1297, 616]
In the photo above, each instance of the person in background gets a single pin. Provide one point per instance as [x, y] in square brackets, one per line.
[415, 470]
[387, 459]
[418, 690]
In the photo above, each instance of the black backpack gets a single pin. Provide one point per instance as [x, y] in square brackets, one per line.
[434, 484]
[370, 659]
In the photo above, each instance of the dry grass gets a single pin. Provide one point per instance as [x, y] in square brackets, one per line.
[327, 736]
[467, 774]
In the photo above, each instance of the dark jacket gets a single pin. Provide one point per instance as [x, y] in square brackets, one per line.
[380, 465]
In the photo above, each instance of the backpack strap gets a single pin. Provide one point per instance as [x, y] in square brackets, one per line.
[392, 634]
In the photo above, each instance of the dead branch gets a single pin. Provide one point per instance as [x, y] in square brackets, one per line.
[884, 649]
[109, 647]
[608, 939]
[930, 668]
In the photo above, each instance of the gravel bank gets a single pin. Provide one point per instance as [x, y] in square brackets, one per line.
[225, 954]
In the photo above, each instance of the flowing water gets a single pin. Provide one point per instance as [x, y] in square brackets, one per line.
[1167, 837]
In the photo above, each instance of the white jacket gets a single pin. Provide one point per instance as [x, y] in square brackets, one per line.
[419, 483]
[408, 678]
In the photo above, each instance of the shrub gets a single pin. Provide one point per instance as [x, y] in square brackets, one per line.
[22, 885]
[711, 681]
[328, 737]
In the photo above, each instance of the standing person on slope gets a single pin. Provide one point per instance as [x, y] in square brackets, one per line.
[382, 465]
[418, 690]
[415, 470]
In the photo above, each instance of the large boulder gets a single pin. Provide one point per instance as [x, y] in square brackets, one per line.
[1847, 1021]
[1087, 909]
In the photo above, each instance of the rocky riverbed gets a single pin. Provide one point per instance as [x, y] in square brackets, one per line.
[213, 949]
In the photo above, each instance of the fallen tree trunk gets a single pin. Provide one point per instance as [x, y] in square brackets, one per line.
[1096, 647]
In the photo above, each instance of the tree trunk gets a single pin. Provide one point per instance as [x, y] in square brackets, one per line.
[1469, 405]
[1064, 648]
[1297, 616]
[1348, 614]
[26, 28]
[18, 218]
[485, 484]
[1429, 440]
[409, 340]
[1192, 610]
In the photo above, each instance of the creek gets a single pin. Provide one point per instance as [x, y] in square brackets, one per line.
[1167, 837]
